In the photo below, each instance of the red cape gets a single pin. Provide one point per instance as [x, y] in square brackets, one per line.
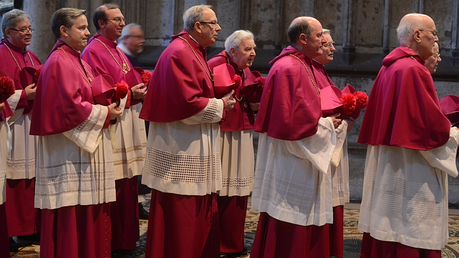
[63, 99]
[100, 60]
[240, 117]
[9, 66]
[180, 86]
[323, 80]
[403, 109]
[289, 107]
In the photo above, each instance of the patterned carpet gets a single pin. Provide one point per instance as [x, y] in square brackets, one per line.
[352, 237]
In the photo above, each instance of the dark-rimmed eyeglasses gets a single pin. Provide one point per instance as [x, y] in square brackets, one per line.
[213, 23]
[117, 20]
[23, 30]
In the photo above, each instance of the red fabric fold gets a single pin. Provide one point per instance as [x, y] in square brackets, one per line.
[403, 108]
[289, 107]
[178, 89]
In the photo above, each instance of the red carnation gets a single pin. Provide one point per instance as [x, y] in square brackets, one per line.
[121, 89]
[36, 75]
[146, 76]
[361, 99]
[261, 81]
[6, 88]
[237, 81]
[349, 103]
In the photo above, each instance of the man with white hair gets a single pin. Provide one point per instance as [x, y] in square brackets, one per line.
[411, 151]
[131, 42]
[183, 164]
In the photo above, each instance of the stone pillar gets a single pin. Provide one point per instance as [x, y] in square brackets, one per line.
[348, 45]
[40, 13]
[385, 48]
[455, 35]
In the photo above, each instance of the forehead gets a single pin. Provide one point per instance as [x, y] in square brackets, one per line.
[23, 23]
[81, 20]
[208, 15]
[136, 31]
[247, 42]
[112, 13]
[328, 38]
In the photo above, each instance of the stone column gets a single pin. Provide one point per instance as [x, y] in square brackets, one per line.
[40, 13]
[385, 48]
[348, 45]
[455, 35]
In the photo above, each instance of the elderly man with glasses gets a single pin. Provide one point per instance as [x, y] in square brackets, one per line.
[131, 42]
[183, 163]
[129, 142]
[411, 151]
[23, 218]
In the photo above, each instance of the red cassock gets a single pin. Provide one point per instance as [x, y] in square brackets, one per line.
[105, 57]
[232, 209]
[403, 111]
[63, 101]
[336, 240]
[23, 218]
[289, 110]
[180, 225]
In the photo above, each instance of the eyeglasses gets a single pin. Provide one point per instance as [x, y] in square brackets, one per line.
[118, 20]
[436, 56]
[328, 45]
[433, 32]
[23, 30]
[213, 23]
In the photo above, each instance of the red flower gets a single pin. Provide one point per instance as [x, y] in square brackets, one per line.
[6, 88]
[146, 76]
[121, 89]
[36, 75]
[237, 81]
[361, 99]
[261, 82]
[349, 103]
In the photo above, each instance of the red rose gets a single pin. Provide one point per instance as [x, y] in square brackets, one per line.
[121, 89]
[36, 75]
[146, 76]
[349, 103]
[361, 99]
[237, 81]
[6, 88]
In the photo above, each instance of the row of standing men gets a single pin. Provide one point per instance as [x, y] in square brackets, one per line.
[199, 160]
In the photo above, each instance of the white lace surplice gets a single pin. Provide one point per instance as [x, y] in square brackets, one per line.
[3, 155]
[76, 167]
[405, 194]
[293, 179]
[183, 157]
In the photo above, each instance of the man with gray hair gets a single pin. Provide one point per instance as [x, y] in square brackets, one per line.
[293, 188]
[411, 151]
[131, 42]
[23, 218]
[183, 164]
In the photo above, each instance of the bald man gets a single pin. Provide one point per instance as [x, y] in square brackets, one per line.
[411, 151]
[293, 188]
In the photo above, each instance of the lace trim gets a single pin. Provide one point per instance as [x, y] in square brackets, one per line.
[210, 111]
[182, 168]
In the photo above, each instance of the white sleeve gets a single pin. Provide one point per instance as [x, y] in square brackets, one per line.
[212, 113]
[318, 148]
[444, 157]
[88, 135]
